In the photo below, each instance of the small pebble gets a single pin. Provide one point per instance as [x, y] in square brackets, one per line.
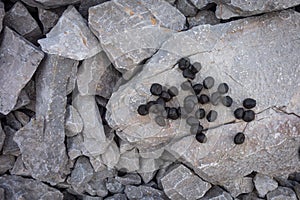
[197, 88]
[187, 73]
[223, 88]
[214, 98]
[182, 113]
[201, 137]
[189, 106]
[249, 103]
[200, 113]
[193, 69]
[197, 65]
[160, 101]
[143, 110]
[166, 96]
[196, 129]
[160, 121]
[173, 114]
[156, 108]
[192, 121]
[193, 98]
[184, 63]
[208, 82]
[203, 99]
[212, 116]
[173, 91]
[227, 101]
[239, 113]
[156, 89]
[239, 138]
[249, 116]
[151, 103]
[186, 85]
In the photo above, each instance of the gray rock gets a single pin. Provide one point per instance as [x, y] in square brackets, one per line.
[203, 17]
[149, 153]
[81, 174]
[148, 168]
[201, 3]
[114, 186]
[220, 159]
[71, 37]
[6, 163]
[111, 156]
[19, 168]
[17, 187]
[73, 122]
[96, 186]
[2, 195]
[12, 122]
[2, 13]
[117, 197]
[296, 188]
[129, 179]
[133, 30]
[49, 3]
[22, 117]
[18, 62]
[48, 19]
[249, 196]
[97, 163]
[10, 147]
[129, 161]
[187, 8]
[85, 5]
[239, 186]
[96, 76]
[216, 193]
[23, 99]
[181, 183]
[2, 137]
[75, 147]
[94, 139]
[282, 193]
[72, 80]
[143, 192]
[264, 184]
[19, 19]
[86, 197]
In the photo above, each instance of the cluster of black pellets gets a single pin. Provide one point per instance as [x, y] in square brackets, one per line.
[198, 96]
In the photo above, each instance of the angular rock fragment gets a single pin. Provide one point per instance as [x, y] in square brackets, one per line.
[187, 8]
[10, 147]
[23, 99]
[117, 197]
[73, 122]
[264, 184]
[96, 76]
[2, 137]
[129, 179]
[6, 163]
[16, 187]
[85, 5]
[48, 18]
[12, 122]
[72, 80]
[239, 186]
[111, 156]
[18, 63]
[133, 30]
[143, 192]
[2, 13]
[148, 168]
[71, 37]
[19, 19]
[2, 195]
[49, 3]
[75, 147]
[129, 161]
[181, 183]
[19, 168]
[282, 193]
[249, 196]
[96, 186]
[22, 117]
[217, 193]
[203, 17]
[114, 186]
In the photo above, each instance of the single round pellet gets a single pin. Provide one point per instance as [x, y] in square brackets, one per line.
[214, 98]
[186, 85]
[182, 113]
[156, 89]
[187, 73]
[160, 101]
[195, 129]
[189, 106]
[239, 138]
[166, 96]
[239, 113]
[197, 88]
[227, 101]
[212, 116]
[151, 103]
[201, 137]
[200, 113]
[193, 98]
[156, 108]
[173, 114]
[183, 63]
[208, 82]
[249, 103]
[249, 116]
[223, 88]
[197, 65]
[160, 121]
[192, 121]
[193, 69]
[142, 110]
[203, 99]
[173, 91]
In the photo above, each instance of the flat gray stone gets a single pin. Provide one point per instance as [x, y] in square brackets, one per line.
[203, 17]
[129, 179]
[282, 193]
[221, 55]
[49, 3]
[216, 193]
[96, 76]
[129, 161]
[48, 19]
[181, 183]
[19, 19]
[18, 63]
[10, 147]
[6, 163]
[2, 137]
[2, 13]
[187, 8]
[239, 186]
[71, 37]
[19, 168]
[112, 155]
[264, 184]
[148, 168]
[131, 31]
[16, 187]
[73, 122]
[143, 192]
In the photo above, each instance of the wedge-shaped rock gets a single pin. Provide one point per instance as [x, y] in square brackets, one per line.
[217, 193]
[131, 31]
[71, 37]
[48, 18]
[282, 193]
[19, 19]
[265, 68]
[6, 163]
[239, 186]
[49, 3]
[264, 184]
[143, 192]
[18, 62]
[73, 123]
[10, 147]
[16, 187]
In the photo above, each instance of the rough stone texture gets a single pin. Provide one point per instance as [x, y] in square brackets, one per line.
[49, 3]
[131, 31]
[143, 192]
[96, 76]
[114, 186]
[10, 147]
[18, 62]
[2, 137]
[187, 8]
[129, 161]
[148, 168]
[19, 168]
[129, 179]
[282, 193]
[94, 139]
[12, 122]
[23, 100]
[48, 19]
[201, 3]
[111, 156]
[73, 122]
[181, 183]
[117, 197]
[22, 117]
[216, 193]
[6, 163]
[203, 17]
[19, 19]
[71, 37]
[85, 5]
[75, 147]
[2, 13]
[272, 140]
[72, 80]
[264, 184]
[17, 187]
[2, 195]
[239, 186]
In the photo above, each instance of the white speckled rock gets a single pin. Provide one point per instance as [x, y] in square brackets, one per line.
[264, 184]
[282, 193]
[239, 186]
[242, 54]
[71, 37]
